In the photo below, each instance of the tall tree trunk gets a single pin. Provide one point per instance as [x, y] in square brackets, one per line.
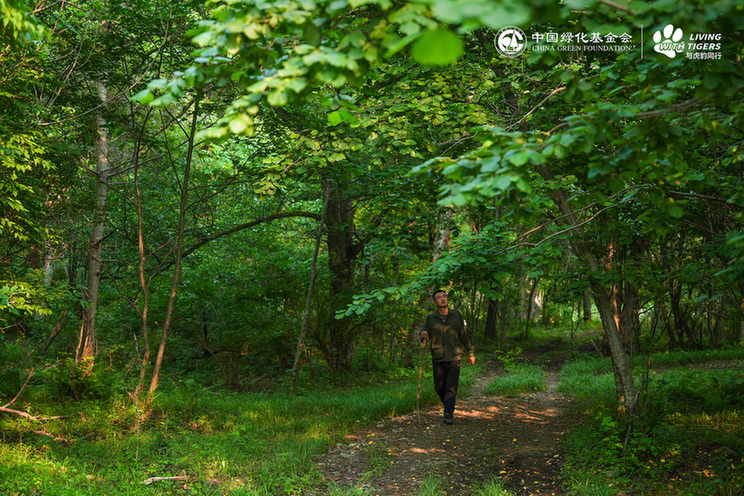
[143, 281]
[440, 234]
[623, 259]
[623, 372]
[179, 254]
[86, 347]
[492, 318]
[739, 302]
[680, 323]
[530, 310]
[55, 332]
[673, 343]
[587, 304]
[342, 252]
[629, 319]
[716, 336]
[624, 297]
[47, 265]
[309, 299]
[502, 330]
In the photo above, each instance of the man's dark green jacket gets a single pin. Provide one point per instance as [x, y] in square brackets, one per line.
[448, 336]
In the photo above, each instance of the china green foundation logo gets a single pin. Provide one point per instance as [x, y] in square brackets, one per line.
[510, 41]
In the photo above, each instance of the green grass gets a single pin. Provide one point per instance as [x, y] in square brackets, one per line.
[589, 380]
[681, 358]
[520, 379]
[590, 485]
[432, 486]
[379, 460]
[226, 443]
[493, 487]
[687, 440]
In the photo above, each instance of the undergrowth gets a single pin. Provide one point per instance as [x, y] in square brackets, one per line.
[223, 442]
[687, 436]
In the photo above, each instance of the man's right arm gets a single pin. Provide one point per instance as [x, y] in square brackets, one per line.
[424, 334]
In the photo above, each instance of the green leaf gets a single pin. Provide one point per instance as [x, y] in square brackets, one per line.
[439, 47]
[277, 98]
[503, 182]
[241, 124]
[735, 238]
[341, 115]
[157, 84]
[675, 210]
[580, 4]
[334, 118]
[520, 158]
[311, 33]
[638, 7]
[144, 97]
[297, 85]
[600, 169]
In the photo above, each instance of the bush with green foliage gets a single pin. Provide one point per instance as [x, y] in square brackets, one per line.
[688, 433]
[67, 380]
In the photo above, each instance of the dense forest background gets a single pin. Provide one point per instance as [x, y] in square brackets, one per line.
[163, 211]
[241, 193]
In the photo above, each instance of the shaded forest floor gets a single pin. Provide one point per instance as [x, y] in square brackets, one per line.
[514, 439]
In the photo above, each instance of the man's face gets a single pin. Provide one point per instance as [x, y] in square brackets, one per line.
[440, 300]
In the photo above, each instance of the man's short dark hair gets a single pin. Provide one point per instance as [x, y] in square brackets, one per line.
[437, 292]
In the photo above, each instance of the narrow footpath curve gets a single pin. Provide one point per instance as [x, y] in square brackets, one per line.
[514, 439]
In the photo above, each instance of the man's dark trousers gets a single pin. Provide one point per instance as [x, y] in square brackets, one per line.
[446, 380]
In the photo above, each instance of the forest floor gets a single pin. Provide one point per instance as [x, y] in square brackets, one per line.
[514, 439]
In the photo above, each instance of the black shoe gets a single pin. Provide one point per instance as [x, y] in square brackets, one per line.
[448, 418]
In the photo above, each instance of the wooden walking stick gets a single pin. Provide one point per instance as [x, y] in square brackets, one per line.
[421, 373]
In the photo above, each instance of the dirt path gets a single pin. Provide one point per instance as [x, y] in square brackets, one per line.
[514, 439]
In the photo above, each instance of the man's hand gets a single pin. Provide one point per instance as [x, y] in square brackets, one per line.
[424, 335]
[472, 360]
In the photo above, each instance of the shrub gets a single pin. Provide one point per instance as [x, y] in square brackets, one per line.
[67, 380]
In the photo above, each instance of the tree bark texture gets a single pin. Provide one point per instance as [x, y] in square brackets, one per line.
[626, 390]
[342, 251]
[179, 255]
[586, 304]
[624, 295]
[86, 347]
[143, 281]
[492, 318]
[440, 236]
[309, 298]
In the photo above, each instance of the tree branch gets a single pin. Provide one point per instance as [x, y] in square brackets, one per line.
[615, 5]
[572, 227]
[5, 408]
[248, 225]
[703, 197]
[177, 478]
[30, 375]
[649, 113]
[552, 93]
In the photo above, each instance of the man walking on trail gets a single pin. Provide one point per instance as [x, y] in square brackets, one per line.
[448, 337]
